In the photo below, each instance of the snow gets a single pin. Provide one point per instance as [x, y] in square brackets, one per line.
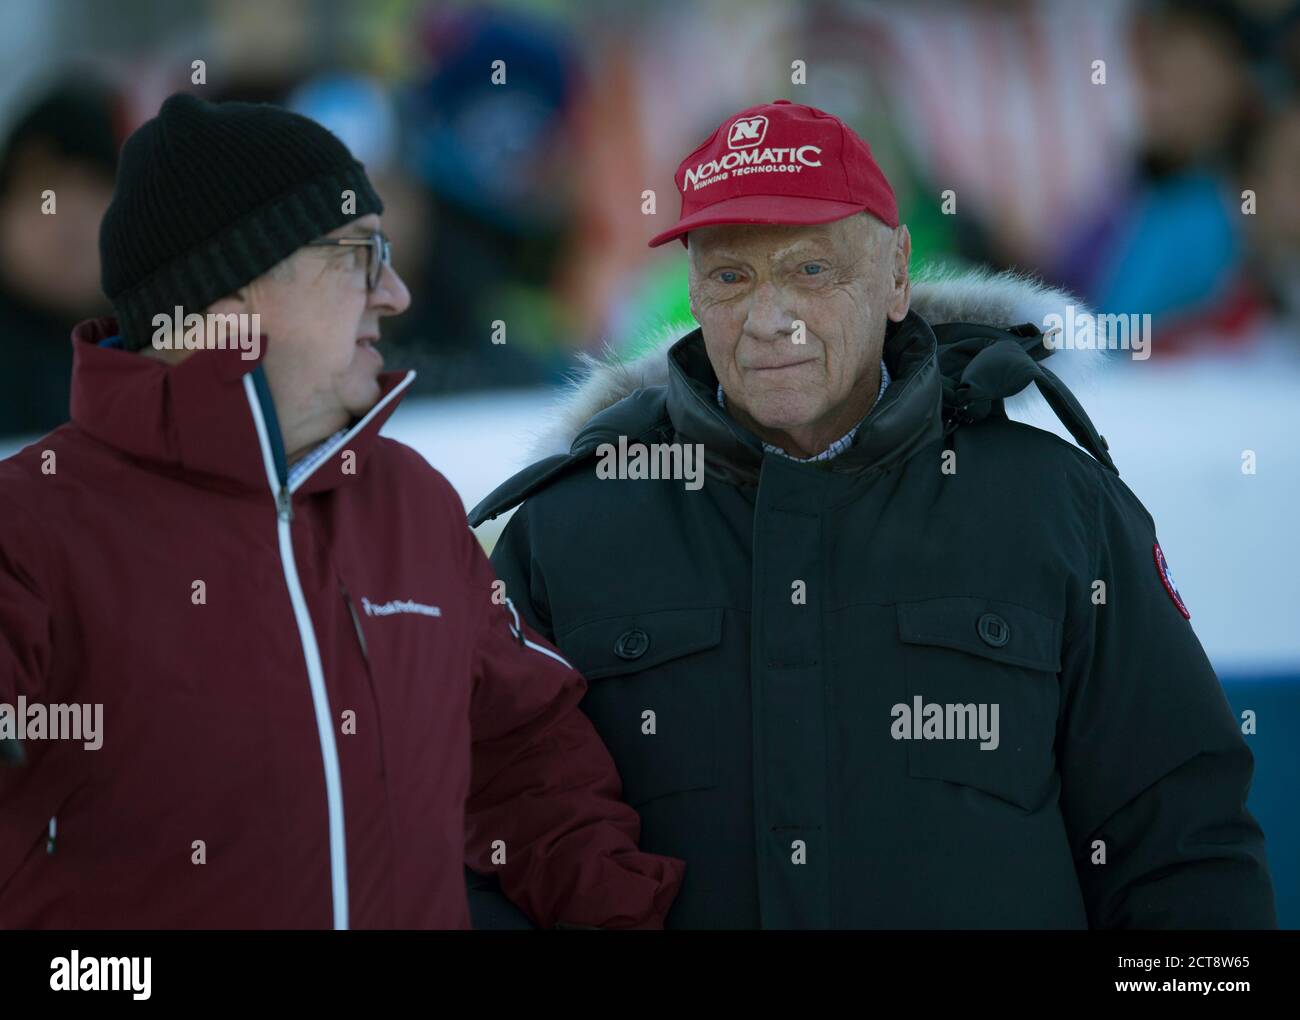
[1177, 432]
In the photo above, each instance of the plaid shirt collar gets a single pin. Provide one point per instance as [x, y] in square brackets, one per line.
[837, 447]
[309, 460]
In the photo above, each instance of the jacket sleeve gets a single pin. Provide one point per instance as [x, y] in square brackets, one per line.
[544, 794]
[25, 646]
[29, 790]
[1154, 768]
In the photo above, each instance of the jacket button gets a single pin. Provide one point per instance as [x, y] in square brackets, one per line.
[993, 630]
[632, 644]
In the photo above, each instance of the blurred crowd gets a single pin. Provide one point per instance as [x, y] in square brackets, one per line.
[1145, 155]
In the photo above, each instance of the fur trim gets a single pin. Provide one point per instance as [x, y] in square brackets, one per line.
[938, 296]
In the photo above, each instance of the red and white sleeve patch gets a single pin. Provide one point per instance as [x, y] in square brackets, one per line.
[1162, 568]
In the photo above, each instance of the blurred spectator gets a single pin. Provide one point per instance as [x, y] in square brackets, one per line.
[1272, 171]
[362, 112]
[495, 158]
[996, 100]
[49, 263]
[1169, 242]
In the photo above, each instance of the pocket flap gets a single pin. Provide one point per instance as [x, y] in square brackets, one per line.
[1001, 631]
[629, 644]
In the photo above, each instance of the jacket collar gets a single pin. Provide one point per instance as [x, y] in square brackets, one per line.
[195, 417]
[907, 417]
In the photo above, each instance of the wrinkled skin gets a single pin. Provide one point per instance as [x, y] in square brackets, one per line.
[751, 286]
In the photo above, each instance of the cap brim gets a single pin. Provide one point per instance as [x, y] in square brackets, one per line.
[779, 209]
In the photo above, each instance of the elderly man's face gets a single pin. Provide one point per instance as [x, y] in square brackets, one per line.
[320, 325]
[752, 286]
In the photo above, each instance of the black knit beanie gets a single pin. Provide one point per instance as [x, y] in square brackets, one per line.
[210, 196]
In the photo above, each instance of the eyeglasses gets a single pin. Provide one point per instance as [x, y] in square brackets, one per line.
[378, 255]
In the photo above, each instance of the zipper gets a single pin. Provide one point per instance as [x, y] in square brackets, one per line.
[271, 443]
[356, 622]
[284, 504]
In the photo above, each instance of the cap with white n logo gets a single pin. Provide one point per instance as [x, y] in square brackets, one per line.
[747, 131]
[780, 163]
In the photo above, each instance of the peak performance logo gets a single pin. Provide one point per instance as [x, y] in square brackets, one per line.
[395, 606]
[747, 133]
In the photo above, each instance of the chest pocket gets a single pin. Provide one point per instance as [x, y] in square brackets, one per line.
[652, 697]
[967, 655]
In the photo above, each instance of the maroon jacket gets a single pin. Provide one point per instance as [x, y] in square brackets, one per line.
[322, 730]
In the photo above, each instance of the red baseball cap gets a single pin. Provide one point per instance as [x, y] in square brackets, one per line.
[780, 163]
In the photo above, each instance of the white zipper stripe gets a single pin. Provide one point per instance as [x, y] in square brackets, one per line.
[315, 675]
[393, 394]
[518, 630]
[546, 651]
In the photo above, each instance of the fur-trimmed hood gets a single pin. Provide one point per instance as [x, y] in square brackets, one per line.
[978, 296]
